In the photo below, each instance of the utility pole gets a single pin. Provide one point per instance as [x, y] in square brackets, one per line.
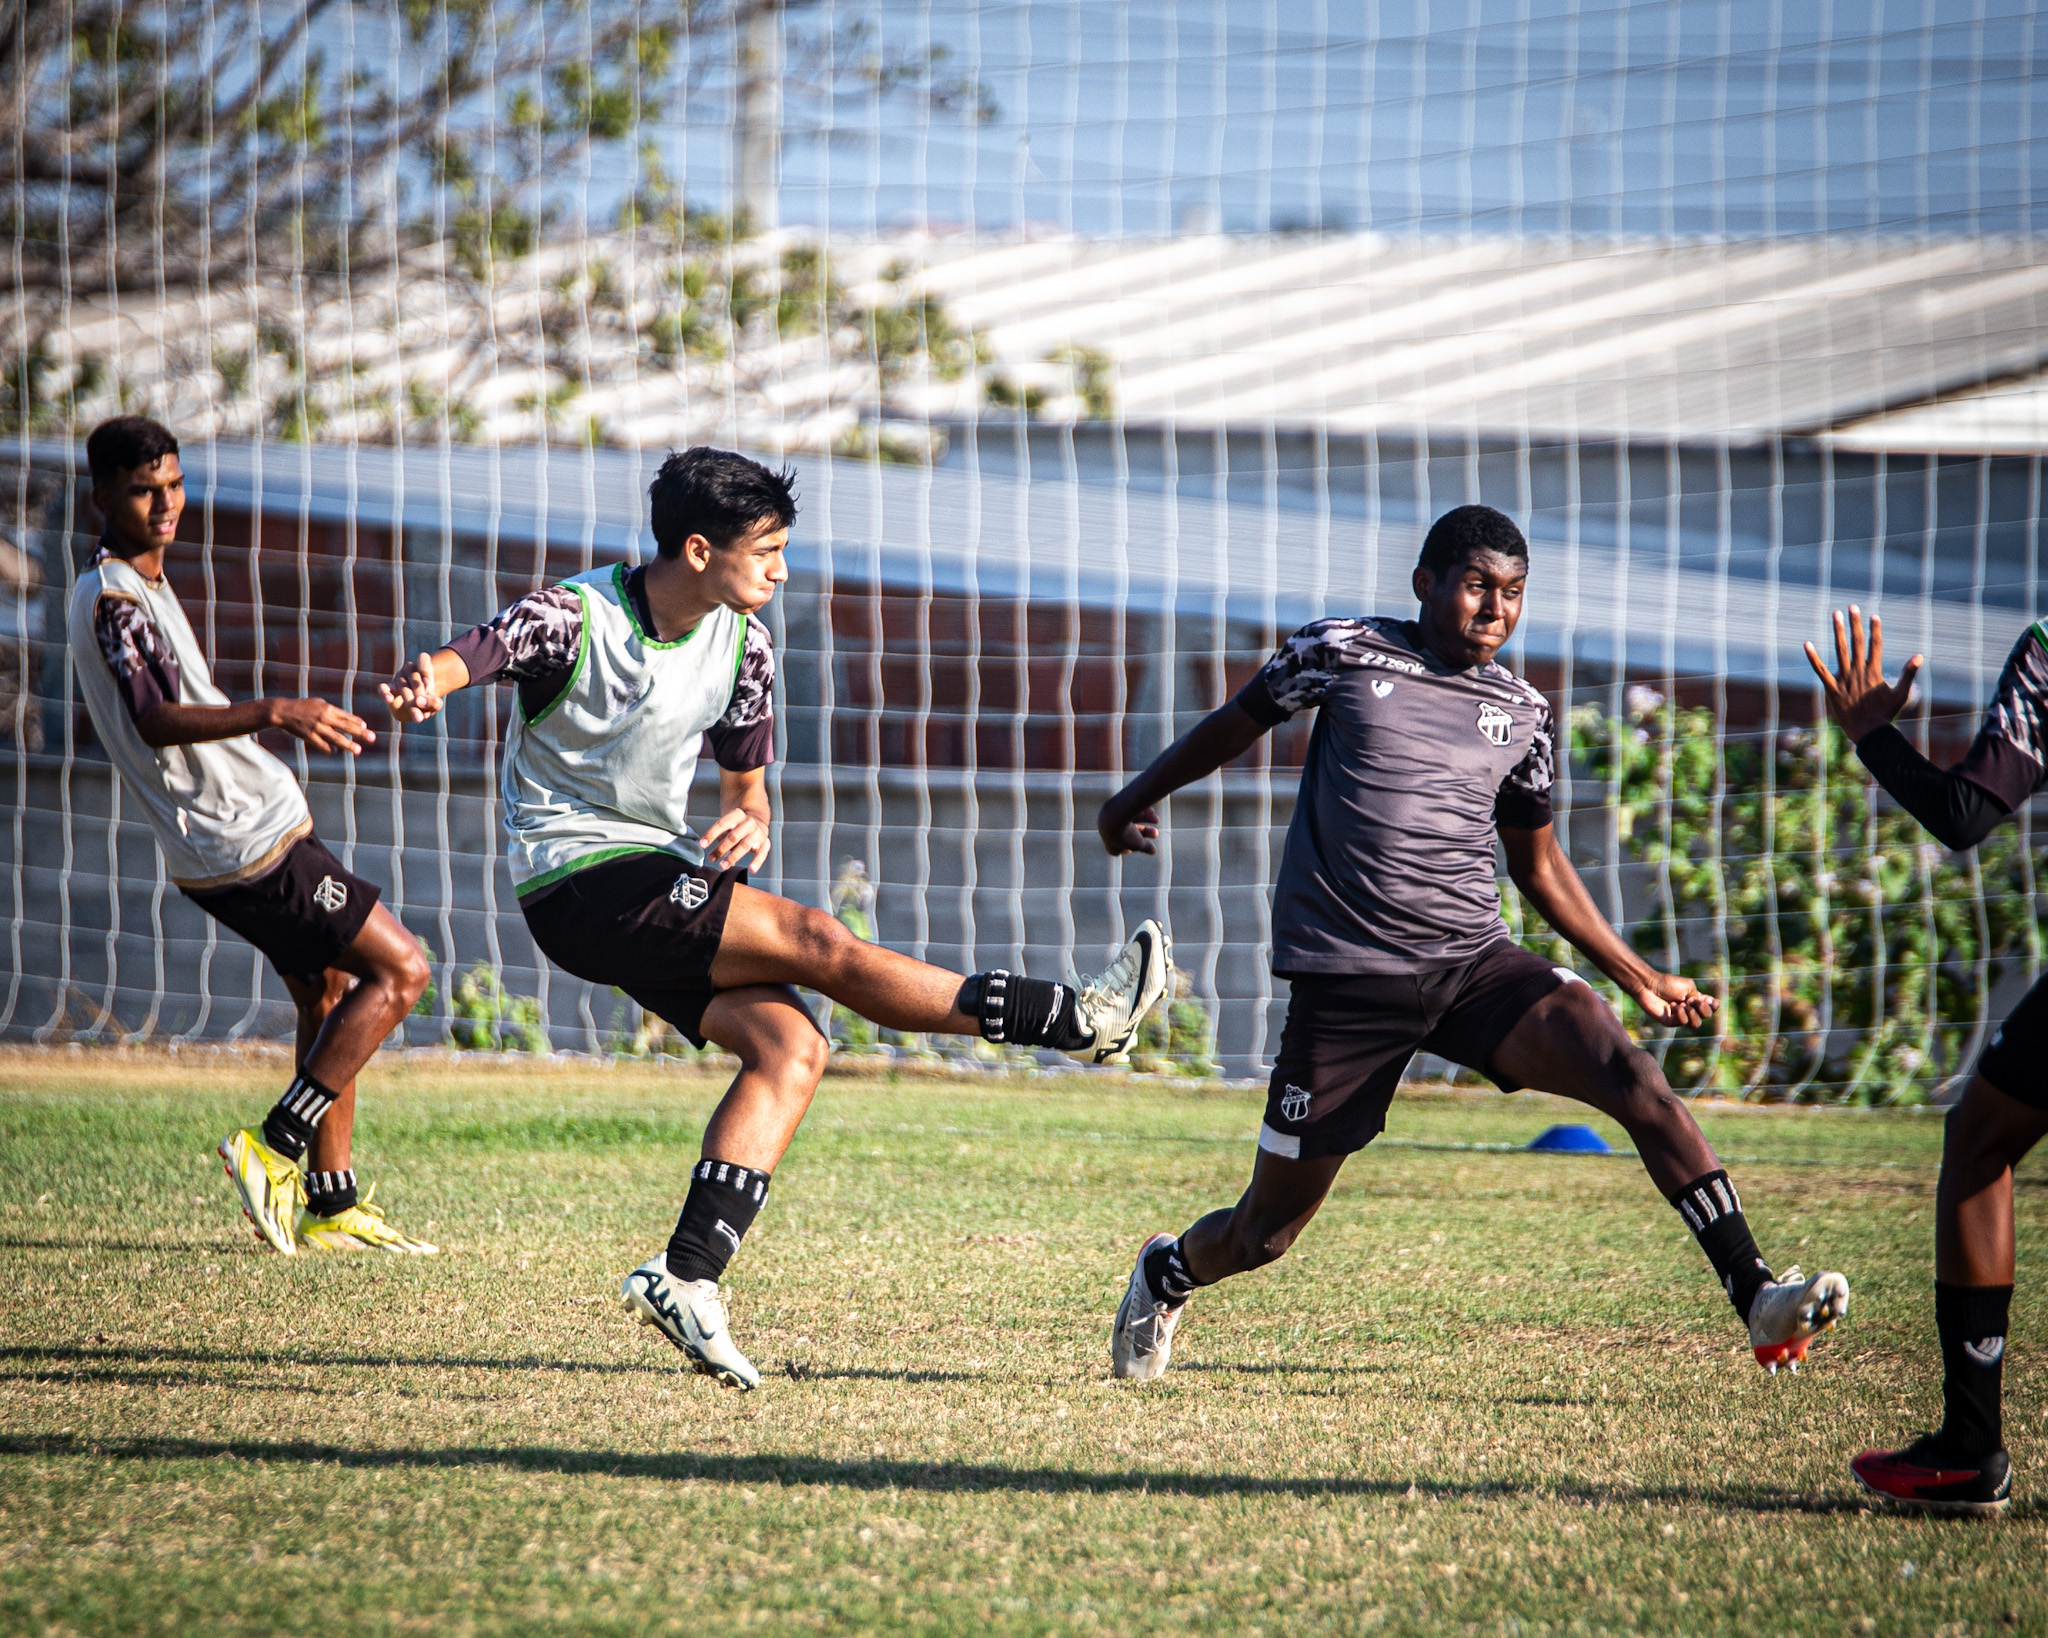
[757, 126]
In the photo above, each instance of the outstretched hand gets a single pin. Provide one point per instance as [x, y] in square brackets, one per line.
[1132, 833]
[1669, 999]
[324, 727]
[411, 695]
[1860, 700]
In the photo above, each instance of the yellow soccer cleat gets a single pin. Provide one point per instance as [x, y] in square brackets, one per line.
[269, 1184]
[360, 1228]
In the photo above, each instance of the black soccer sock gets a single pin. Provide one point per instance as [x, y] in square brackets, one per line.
[1972, 1322]
[721, 1206]
[1168, 1274]
[329, 1194]
[290, 1125]
[1023, 1011]
[1713, 1211]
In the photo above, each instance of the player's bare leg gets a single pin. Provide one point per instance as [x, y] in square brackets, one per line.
[772, 940]
[1269, 1216]
[782, 1056]
[343, 1018]
[1963, 1466]
[1571, 1043]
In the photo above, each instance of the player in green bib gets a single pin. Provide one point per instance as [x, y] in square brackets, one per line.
[625, 676]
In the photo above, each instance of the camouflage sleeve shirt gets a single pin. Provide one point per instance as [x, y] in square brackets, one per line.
[534, 642]
[144, 668]
[2009, 758]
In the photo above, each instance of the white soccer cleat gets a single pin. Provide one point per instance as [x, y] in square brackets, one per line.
[1113, 1005]
[1141, 1341]
[692, 1316]
[1790, 1312]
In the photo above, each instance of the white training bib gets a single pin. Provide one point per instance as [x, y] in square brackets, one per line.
[605, 768]
[224, 811]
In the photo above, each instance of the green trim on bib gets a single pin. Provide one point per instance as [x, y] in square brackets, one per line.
[582, 656]
[583, 862]
[640, 631]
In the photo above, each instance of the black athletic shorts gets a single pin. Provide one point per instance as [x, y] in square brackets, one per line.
[301, 914]
[648, 924]
[1349, 1036]
[2016, 1061]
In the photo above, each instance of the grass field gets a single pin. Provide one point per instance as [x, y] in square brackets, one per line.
[1488, 1392]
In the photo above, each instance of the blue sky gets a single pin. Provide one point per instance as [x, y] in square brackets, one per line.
[1513, 116]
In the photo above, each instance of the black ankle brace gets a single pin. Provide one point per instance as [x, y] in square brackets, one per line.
[1015, 1010]
[292, 1121]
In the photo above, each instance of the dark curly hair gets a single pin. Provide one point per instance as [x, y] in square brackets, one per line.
[1467, 529]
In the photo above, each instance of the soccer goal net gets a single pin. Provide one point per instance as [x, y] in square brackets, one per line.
[1110, 344]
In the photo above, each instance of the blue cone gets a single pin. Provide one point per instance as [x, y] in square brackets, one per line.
[1570, 1140]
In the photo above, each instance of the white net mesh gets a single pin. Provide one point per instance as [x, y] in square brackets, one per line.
[1111, 344]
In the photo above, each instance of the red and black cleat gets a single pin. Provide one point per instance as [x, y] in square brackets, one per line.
[1924, 1478]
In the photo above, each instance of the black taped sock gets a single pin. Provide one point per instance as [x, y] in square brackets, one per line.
[1022, 1011]
[1971, 1320]
[721, 1206]
[329, 1194]
[292, 1121]
[1168, 1274]
[1713, 1211]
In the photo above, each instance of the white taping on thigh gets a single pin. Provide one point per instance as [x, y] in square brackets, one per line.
[1279, 1143]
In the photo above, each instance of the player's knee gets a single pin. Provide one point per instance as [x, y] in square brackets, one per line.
[807, 1053]
[823, 942]
[1971, 1145]
[412, 976]
[1641, 1089]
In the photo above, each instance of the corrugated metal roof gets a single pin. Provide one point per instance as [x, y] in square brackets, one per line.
[1533, 337]
[1548, 338]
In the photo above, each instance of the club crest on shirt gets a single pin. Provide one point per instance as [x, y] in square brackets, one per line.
[1495, 723]
[1294, 1103]
[690, 892]
[1383, 686]
[330, 895]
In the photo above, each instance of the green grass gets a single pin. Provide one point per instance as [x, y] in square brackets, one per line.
[1488, 1392]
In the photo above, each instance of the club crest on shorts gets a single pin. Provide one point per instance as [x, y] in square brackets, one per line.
[690, 892]
[1495, 724]
[330, 895]
[1294, 1103]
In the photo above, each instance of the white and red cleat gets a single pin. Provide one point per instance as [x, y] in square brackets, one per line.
[1790, 1312]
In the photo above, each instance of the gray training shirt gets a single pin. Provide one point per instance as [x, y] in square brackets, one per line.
[1389, 865]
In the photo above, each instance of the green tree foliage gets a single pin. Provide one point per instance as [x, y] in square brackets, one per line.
[180, 146]
[486, 1017]
[1853, 956]
[1177, 1037]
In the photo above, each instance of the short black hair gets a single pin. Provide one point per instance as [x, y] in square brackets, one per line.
[719, 494]
[1464, 530]
[124, 443]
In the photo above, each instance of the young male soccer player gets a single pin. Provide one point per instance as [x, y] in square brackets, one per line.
[238, 841]
[622, 674]
[1962, 1467]
[1387, 920]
